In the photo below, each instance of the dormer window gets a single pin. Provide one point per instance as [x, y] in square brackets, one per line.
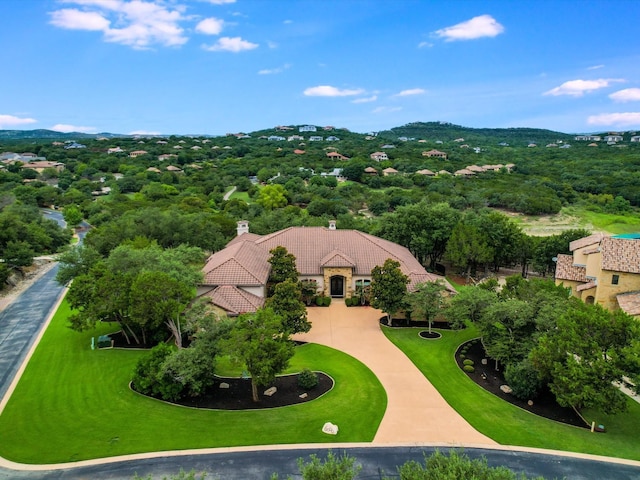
[615, 279]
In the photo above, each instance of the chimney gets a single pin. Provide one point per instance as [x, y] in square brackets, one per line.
[332, 224]
[243, 227]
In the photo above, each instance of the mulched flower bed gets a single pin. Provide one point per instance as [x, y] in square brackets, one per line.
[487, 377]
[238, 395]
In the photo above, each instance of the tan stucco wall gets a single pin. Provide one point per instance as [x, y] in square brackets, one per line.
[346, 272]
[593, 264]
[606, 291]
[570, 284]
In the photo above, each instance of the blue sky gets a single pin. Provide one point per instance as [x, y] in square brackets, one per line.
[218, 66]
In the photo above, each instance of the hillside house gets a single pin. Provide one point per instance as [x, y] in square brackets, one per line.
[339, 261]
[307, 128]
[370, 171]
[635, 139]
[426, 172]
[40, 166]
[613, 138]
[603, 270]
[435, 153]
[389, 171]
[337, 156]
[379, 156]
[137, 153]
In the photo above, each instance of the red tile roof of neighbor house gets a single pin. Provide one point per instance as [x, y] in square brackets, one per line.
[585, 241]
[620, 254]
[629, 302]
[240, 264]
[566, 270]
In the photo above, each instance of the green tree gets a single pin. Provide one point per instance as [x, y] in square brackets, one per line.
[18, 254]
[286, 302]
[272, 197]
[72, 215]
[283, 268]
[259, 340]
[76, 261]
[426, 301]
[590, 350]
[388, 287]
[468, 248]
[469, 304]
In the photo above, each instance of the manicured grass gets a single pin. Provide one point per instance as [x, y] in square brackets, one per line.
[240, 196]
[73, 403]
[504, 422]
[610, 223]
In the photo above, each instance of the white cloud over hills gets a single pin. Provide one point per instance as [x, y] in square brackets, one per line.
[623, 119]
[577, 88]
[626, 95]
[329, 91]
[9, 121]
[477, 27]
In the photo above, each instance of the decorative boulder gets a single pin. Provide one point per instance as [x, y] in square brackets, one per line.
[506, 388]
[224, 385]
[270, 391]
[303, 395]
[330, 429]
[530, 403]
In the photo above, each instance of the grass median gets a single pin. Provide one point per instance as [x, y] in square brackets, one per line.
[503, 422]
[73, 403]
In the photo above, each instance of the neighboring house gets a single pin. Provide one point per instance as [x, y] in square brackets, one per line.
[370, 171]
[154, 170]
[42, 165]
[73, 145]
[315, 138]
[475, 169]
[613, 138]
[426, 172]
[294, 138]
[588, 138]
[464, 172]
[307, 128]
[332, 138]
[603, 270]
[173, 168]
[635, 139]
[337, 156]
[435, 153]
[389, 171]
[167, 156]
[339, 261]
[275, 138]
[114, 150]
[379, 156]
[137, 153]
[297, 151]
[388, 146]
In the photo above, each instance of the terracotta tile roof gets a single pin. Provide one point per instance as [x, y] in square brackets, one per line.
[242, 263]
[629, 302]
[620, 255]
[566, 270]
[245, 237]
[337, 259]
[586, 286]
[585, 241]
[234, 300]
[425, 172]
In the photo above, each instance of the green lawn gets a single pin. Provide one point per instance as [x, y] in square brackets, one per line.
[73, 403]
[608, 222]
[503, 422]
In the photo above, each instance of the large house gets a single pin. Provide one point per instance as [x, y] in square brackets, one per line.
[340, 261]
[603, 270]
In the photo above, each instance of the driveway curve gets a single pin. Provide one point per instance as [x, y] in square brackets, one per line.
[416, 413]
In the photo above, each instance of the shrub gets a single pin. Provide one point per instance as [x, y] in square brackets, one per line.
[307, 379]
[468, 361]
[469, 368]
[327, 301]
[319, 301]
[523, 379]
[348, 302]
[463, 356]
[151, 378]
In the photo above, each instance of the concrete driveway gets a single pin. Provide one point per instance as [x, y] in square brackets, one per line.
[416, 412]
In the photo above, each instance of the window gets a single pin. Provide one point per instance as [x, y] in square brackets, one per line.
[615, 279]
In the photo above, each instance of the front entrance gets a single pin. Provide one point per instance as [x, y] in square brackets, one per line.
[337, 286]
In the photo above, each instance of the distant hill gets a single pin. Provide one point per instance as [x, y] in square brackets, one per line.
[447, 132]
[49, 134]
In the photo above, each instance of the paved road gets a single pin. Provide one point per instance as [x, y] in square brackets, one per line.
[376, 462]
[21, 321]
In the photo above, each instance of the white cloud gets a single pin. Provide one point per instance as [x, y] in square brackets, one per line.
[272, 71]
[13, 121]
[63, 127]
[144, 132]
[411, 91]
[288, 22]
[386, 109]
[425, 45]
[329, 91]
[138, 23]
[626, 95]
[74, 19]
[220, 2]
[210, 26]
[624, 119]
[577, 88]
[373, 98]
[595, 67]
[477, 27]
[230, 44]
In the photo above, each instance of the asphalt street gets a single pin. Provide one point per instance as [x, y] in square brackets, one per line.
[376, 462]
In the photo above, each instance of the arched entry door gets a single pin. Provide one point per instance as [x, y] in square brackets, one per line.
[337, 286]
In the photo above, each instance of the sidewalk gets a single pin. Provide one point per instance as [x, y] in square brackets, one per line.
[416, 412]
